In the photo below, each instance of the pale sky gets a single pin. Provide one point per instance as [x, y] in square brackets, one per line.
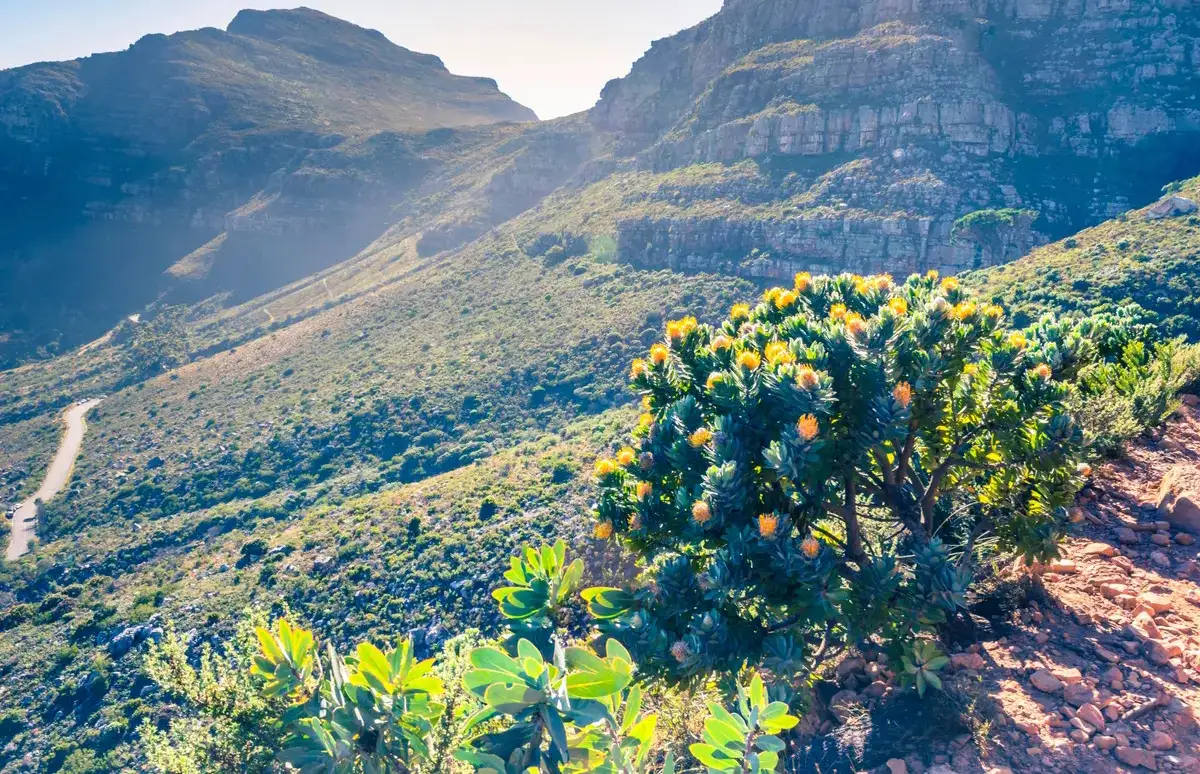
[551, 55]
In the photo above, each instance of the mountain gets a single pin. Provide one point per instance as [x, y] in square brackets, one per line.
[116, 166]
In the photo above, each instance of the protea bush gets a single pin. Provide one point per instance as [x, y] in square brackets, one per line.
[819, 469]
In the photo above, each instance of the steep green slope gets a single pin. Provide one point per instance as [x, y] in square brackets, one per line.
[1153, 262]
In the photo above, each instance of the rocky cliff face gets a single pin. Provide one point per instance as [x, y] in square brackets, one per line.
[888, 120]
[114, 167]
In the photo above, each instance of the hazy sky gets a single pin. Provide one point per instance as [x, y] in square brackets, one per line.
[551, 55]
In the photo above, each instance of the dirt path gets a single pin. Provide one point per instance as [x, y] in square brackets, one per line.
[25, 518]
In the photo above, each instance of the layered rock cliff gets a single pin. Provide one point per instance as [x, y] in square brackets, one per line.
[880, 123]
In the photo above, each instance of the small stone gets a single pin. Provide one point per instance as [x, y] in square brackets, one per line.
[1078, 694]
[1041, 638]
[1079, 735]
[1145, 627]
[1069, 675]
[1161, 539]
[1112, 712]
[1131, 756]
[849, 667]
[1159, 603]
[1161, 740]
[1098, 549]
[1108, 656]
[1064, 567]
[1160, 559]
[1156, 653]
[1184, 539]
[1124, 563]
[1105, 743]
[1113, 590]
[1126, 535]
[971, 661]
[1046, 682]
[1089, 714]
[897, 766]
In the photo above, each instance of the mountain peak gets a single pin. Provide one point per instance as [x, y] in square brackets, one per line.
[326, 37]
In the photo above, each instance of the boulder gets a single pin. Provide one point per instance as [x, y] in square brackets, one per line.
[1133, 757]
[1179, 498]
[1045, 682]
[1171, 207]
[132, 636]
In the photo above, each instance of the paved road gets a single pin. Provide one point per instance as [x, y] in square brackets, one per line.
[25, 518]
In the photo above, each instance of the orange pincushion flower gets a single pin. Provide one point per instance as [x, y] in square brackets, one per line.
[1084, 469]
[810, 547]
[950, 284]
[603, 530]
[855, 324]
[808, 427]
[993, 312]
[837, 312]
[767, 524]
[863, 286]
[681, 652]
[626, 457]
[638, 368]
[713, 380]
[605, 467]
[647, 402]
[899, 306]
[643, 489]
[635, 523]
[884, 282]
[1018, 340]
[963, 311]
[700, 437]
[1043, 372]
[785, 298]
[721, 342]
[701, 512]
[674, 332]
[739, 312]
[749, 360]
[807, 378]
[932, 274]
[777, 353]
[903, 394]
[659, 354]
[803, 282]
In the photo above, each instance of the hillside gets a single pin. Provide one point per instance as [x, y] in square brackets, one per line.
[1150, 257]
[115, 166]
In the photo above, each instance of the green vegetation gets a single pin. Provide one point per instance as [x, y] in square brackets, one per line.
[1154, 264]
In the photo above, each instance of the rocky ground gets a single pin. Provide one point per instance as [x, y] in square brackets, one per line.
[1093, 667]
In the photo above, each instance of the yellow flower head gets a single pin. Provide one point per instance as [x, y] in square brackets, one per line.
[777, 352]
[643, 489]
[785, 298]
[645, 420]
[638, 368]
[903, 394]
[863, 287]
[899, 306]
[963, 311]
[993, 312]
[647, 402]
[681, 651]
[855, 324]
[626, 457]
[605, 467]
[674, 331]
[701, 512]
[970, 369]
[721, 342]
[749, 360]
[807, 427]
[770, 296]
[883, 282]
[1017, 340]
[1043, 372]
[803, 282]
[714, 379]
[810, 547]
[603, 530]
[950, 284]
[932, 275]
[739, 312]
[807, 378]
[837, 312]
[700, 437]
[767, 524]
[659, 354]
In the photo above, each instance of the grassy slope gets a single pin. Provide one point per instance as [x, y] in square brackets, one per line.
[1153, 263]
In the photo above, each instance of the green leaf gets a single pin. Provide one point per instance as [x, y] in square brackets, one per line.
[715, 759]
[607, 603]
[512, 699]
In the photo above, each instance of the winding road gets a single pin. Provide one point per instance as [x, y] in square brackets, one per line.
[25, 518]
